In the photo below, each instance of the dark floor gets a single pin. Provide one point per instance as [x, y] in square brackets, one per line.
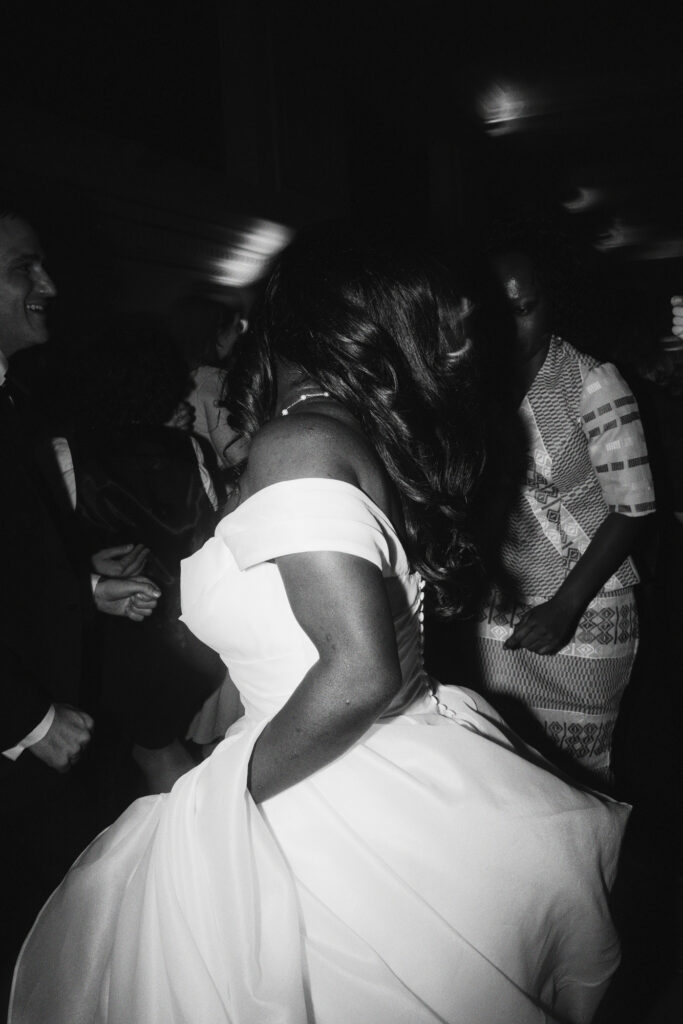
[649, 895]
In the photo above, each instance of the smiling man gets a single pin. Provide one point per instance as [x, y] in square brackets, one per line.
[25, 287]
[46, 599]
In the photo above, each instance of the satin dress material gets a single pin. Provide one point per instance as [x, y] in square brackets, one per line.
[436, 871]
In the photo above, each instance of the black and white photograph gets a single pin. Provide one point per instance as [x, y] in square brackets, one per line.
[341, 512]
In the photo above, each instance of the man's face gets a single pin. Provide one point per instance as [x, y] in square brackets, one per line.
[25, 287]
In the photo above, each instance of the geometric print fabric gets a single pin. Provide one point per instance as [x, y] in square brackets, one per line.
[588, 674]
[572, 429]
[607, 628]
[586, 458]
[575, 695]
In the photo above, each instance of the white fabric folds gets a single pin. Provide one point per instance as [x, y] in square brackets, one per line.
[436, 872]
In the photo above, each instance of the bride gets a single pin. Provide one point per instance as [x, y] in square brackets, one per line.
[365, 845]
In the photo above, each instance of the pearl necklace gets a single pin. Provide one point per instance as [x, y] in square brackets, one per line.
[303, 398]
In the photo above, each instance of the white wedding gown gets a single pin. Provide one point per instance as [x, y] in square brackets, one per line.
[436, 872]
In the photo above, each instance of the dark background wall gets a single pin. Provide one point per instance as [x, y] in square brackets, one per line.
[156, 137]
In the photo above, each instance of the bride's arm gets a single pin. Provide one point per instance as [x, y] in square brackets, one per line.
[340, 602]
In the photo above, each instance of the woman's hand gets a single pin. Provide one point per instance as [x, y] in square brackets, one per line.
[549, 626]
[544, 629]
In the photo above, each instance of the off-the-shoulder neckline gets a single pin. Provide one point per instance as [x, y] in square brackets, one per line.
[318, 481]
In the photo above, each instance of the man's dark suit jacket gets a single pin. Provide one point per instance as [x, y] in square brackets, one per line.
[44, 599]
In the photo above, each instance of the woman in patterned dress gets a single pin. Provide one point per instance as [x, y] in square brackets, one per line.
[557, 637]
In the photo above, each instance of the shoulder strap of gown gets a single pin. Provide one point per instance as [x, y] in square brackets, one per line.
[311, 514]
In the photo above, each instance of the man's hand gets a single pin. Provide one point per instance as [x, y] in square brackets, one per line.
[135, 598]
[65, 740]
[543, 630]
[123, 561]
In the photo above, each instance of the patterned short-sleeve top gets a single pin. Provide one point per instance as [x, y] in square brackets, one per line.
[586, 457]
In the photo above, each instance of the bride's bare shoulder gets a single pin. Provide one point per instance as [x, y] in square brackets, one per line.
[306, 445]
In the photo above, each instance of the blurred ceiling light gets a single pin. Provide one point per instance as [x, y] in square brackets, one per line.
[583, 199]
[639, 240]
[620, 233]
[247, 259]
[658, 249]
[503, 105]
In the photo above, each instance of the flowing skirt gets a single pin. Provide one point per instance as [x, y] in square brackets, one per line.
[435, 872]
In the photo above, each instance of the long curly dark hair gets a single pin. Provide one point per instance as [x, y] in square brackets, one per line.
[382, 331]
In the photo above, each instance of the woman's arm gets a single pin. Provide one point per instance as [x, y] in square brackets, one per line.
[340, 602]
[549, 626]
[616, 446]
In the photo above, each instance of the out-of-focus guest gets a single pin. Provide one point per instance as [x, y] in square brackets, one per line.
[206, 331]
[47, 602]
[558, 633]
[650, 748]
[182, 417]
[677, 315]
[663, 372]
[134, 476]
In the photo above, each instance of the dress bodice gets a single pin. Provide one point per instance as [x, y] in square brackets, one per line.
[233, 597]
